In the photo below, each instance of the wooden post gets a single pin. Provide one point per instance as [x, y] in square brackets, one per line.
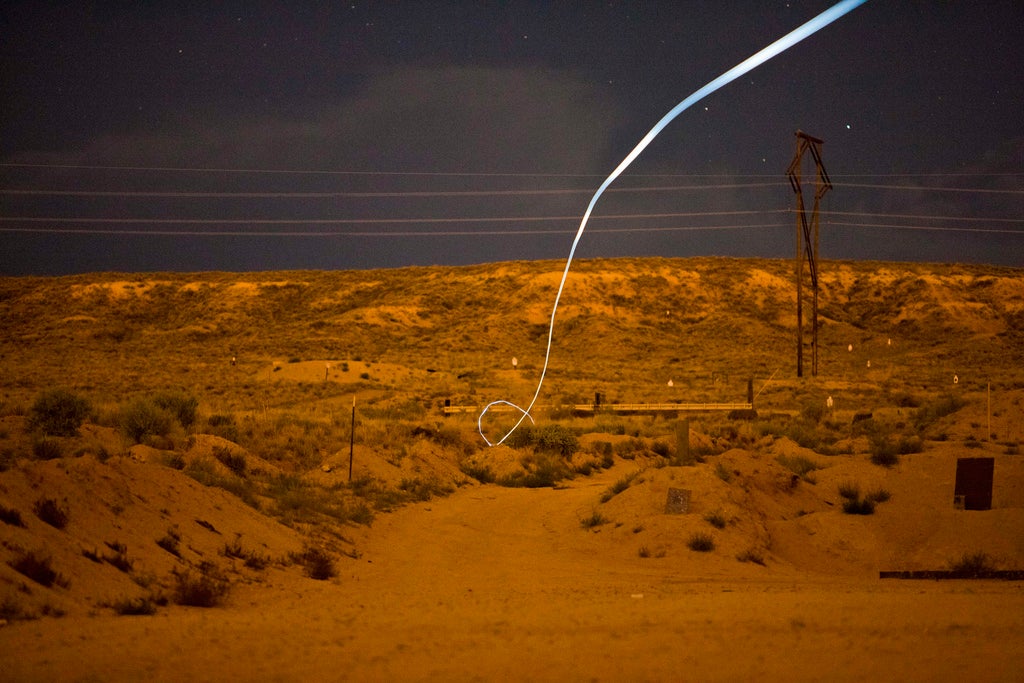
[352, 439]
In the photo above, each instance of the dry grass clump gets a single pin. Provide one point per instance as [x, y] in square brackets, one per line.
[701, 542]
[145, 606]
[170, 542]
[316, 563]
[799, 465]
[751, 555]
[207, 589]
[854, 504]
[972, 565]
[716, 519]
[51, 512]
[10, 516]
[594, 520]
[619, 486]
[39, 569]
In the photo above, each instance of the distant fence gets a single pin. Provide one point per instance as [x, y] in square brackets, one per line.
[614, 408]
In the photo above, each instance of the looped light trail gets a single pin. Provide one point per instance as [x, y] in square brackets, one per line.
[789, 40]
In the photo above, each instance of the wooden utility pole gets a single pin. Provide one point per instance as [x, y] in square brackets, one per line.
[807, 242]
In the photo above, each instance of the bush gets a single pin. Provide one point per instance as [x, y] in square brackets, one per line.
[49, 511]
[552, 438]
[135, 607]
[316, 563]
[701, 542]
[46, 449]
[208, 589]
[859, 506]
[541, 469]
[223, 426]
[849, 490]
[58, 412]
[142, 418]
[39, 569]
[595, 519]
[618, 487]
[10, 516]
[716, 519]
[233, 461]
[181, 406]
[971, 565]
[799, 465]
[170, 542]
[751, 555]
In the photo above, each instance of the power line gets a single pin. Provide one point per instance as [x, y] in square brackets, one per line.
[333, 195]
[341, 221]
[924, 217]
[932, 228]
[498, 174]
[376, 233]
[924, 188]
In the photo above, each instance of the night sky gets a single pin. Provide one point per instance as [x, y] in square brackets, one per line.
[259, 136]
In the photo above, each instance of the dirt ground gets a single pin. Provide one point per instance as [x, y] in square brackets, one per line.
[505, 584]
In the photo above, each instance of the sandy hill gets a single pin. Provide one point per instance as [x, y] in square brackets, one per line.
[210, 462]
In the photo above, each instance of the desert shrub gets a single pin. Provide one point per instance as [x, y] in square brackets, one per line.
[701, 542]
[661, 448]
[751, 555]
[849, 490]
[174, 460]
[316, 564]
[223, 426]
[879, 495]
[540, 469]
[50, 511]
[119, 559]
[937, 409]
[205, 472]
[58, 412]
[643, 551]
[182, 406]
[618, 487]
[970, 565]
[479, 471]
[135, 606]
[296, 500]
[450, 436]
[208, 589]
[422, 490]
[552, 438]
[10, 516]
[143, 417]
[38, 569]
[799, 465]
[716, 519]
[46, 449]
[859, 506]
[250, 558]
[813, 412]
[233, 461]
[884, 455]
[595, 519]
[170, 542]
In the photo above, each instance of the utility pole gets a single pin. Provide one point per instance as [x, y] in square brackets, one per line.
[807, 242]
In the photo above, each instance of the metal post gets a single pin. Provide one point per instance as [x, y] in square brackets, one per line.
[352, 439]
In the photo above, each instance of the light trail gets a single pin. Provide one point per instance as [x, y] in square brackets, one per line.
[790, 39]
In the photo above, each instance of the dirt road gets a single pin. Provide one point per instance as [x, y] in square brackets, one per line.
[505, 584]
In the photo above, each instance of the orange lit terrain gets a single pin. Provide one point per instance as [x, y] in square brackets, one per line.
[212, 466]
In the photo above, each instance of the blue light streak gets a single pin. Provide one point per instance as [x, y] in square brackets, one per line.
[789, 40]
